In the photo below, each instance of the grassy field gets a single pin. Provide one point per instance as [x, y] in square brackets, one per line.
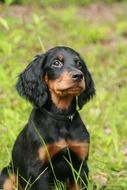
[99, 33]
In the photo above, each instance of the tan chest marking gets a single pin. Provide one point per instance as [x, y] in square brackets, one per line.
[48, 151]
[81, 149]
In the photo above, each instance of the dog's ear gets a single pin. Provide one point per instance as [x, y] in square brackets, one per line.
[31, 83]
[89, 91]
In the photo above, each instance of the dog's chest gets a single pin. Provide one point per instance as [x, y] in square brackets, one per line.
[80, 149]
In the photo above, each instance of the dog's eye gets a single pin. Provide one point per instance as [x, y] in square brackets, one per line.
[79, 64]
[57, 63]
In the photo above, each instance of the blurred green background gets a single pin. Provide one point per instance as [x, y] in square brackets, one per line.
[98, 31]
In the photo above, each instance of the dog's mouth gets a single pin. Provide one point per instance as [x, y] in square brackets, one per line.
[72, 90]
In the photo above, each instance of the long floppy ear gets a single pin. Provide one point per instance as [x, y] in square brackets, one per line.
[89, 91]
[31, 84]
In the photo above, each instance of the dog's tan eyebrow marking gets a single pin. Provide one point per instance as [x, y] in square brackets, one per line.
[76, 58]
[60, 57]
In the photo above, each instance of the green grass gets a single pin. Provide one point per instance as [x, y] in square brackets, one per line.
[101, 38]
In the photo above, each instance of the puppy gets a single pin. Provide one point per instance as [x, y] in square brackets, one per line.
[54, 144]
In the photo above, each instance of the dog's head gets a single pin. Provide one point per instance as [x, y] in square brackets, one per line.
[60, 72]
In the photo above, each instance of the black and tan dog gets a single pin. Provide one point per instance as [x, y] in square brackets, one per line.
[54, 144]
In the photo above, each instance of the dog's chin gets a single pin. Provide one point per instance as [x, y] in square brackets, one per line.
[75, 91]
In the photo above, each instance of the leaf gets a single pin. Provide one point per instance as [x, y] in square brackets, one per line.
[4, 23]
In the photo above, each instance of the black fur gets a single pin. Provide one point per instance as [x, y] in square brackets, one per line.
[43, 128]
[30, 84]
[90, 90]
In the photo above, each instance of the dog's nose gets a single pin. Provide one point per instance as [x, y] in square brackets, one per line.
[77, 76]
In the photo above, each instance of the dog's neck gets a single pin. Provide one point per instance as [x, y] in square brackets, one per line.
[62, 105]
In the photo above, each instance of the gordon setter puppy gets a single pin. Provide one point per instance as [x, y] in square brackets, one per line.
[53, 147]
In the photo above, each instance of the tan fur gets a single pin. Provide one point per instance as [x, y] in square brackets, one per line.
[10, 183]
[73, 187]
[45, 153]
[81, 149]
[64, 89]
[65, 85]
[60, 57]
[61, 102]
